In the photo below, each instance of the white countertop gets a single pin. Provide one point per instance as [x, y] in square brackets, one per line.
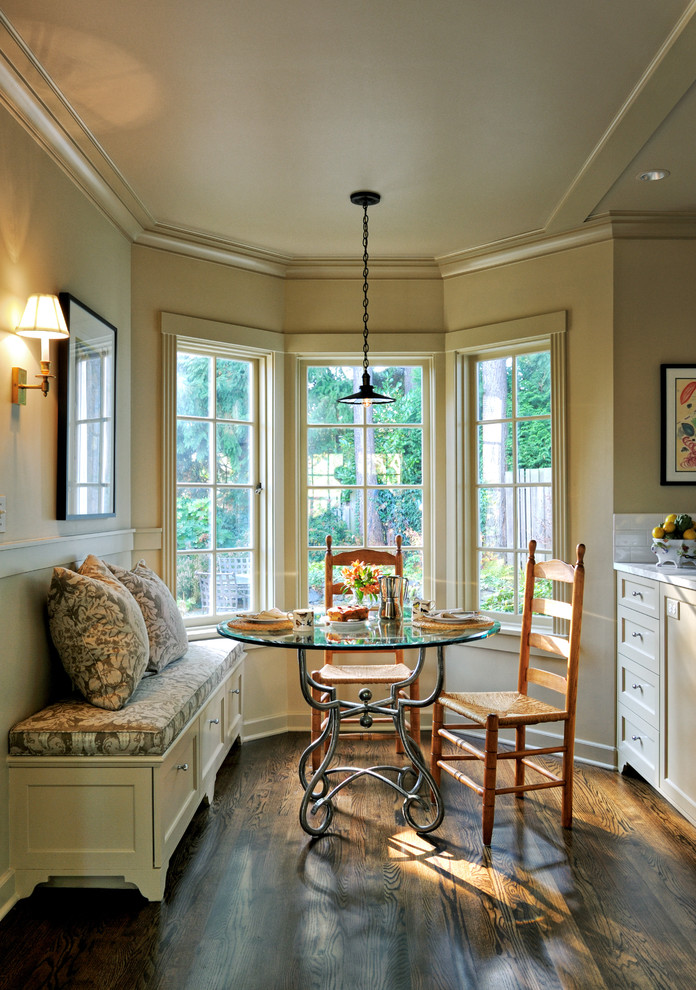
[681, 577]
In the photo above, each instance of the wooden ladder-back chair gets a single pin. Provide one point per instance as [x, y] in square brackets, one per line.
[333, 675]
[496, 710]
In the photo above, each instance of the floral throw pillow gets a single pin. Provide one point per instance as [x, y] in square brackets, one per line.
[99, 633]
[165, 625]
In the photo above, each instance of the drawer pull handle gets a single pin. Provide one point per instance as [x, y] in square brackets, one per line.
[636, 739]
[637, 635]
[182, 766]
[236, 691]
[637, 687]
[637, 594]
[214, 721]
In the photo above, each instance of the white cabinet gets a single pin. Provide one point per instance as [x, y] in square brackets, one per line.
[638, 678]
[678, 694]
[656, 680]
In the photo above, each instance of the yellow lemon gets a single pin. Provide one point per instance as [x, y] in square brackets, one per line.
[672, 517]
[690, 534]
[658, 533]
[669, 526]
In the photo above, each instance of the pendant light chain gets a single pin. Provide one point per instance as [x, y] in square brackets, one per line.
[366, 395]
[366, 272]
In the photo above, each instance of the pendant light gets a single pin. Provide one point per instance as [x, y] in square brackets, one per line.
[366, 395]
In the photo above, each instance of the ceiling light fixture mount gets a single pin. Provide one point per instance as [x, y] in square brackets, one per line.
[366, 395]
[653, 175]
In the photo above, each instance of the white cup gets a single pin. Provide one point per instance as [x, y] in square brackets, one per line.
[422, 607]
[302, 619]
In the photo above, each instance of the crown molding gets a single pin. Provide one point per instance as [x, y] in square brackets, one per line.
[347, 268]
[30, 95]
[208, 247]
[523, 247]
[605, 227]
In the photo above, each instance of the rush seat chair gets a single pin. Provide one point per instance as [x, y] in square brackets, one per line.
[492, 711]
[385, 674]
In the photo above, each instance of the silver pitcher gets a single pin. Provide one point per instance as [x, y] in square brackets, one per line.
[392, 590]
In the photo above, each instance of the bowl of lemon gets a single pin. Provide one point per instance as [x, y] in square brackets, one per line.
[674, 541]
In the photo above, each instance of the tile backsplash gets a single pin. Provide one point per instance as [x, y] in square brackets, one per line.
[633, 537]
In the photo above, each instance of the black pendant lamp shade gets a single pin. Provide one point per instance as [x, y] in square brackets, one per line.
[366, 394]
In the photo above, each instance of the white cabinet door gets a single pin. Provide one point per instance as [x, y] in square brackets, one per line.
[678, 687]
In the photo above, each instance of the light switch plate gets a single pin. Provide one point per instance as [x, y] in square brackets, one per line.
[673, 608]
[3, 512]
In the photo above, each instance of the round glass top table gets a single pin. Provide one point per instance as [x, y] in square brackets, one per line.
[422, 807]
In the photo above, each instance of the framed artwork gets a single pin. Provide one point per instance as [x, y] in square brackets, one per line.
[86, 414]
[678, 391]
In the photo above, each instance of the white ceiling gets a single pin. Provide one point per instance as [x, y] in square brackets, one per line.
[245, 124]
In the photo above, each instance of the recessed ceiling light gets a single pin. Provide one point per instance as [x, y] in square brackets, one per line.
[653, 175]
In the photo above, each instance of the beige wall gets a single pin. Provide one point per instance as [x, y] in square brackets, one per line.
[580, 282]
[654, 308]
[51, 240]
[335, 305]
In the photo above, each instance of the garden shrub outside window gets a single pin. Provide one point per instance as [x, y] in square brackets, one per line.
[364, 476]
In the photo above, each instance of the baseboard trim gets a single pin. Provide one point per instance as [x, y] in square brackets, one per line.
[591, 753]
[8, 894]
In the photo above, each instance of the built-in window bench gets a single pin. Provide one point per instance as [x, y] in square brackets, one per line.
[102, 798]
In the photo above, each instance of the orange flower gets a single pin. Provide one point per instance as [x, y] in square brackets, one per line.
[361, 579]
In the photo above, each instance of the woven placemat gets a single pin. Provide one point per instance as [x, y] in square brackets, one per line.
[261, 627]
[431, 624]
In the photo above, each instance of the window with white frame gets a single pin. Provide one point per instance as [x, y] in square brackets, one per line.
[364, 474]
[516, 475]
[217, 472]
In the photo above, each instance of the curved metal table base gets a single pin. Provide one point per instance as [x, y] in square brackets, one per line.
[317, 808]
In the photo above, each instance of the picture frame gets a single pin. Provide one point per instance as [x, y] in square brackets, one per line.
[678, 441]
[86, 414]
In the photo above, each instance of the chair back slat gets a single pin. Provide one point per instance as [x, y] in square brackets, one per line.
[547, 679]
[553, 607]
[555, 570]
[550, 643]
[568, 646]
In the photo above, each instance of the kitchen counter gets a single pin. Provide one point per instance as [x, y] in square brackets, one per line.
[679, 577]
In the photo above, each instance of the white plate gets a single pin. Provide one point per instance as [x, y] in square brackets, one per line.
[350, 626]
[258, 622]
[457, 617]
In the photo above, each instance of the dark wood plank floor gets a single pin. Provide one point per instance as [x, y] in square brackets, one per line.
[253, 904]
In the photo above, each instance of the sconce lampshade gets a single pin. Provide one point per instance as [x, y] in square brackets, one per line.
[43, 318]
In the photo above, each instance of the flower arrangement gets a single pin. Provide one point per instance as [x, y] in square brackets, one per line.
[362, 580]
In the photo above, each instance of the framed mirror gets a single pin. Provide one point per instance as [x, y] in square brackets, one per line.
[87, 414]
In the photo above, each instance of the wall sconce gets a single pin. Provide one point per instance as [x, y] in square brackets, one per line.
[42, 318]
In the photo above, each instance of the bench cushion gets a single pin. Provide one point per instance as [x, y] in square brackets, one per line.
[146, 726]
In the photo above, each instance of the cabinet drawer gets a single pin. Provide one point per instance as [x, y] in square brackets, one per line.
[638, 746]
[639, 594]
[639, 691]
[638, 637]
[178, 787]
[212, 732]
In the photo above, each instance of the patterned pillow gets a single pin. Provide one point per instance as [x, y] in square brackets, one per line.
[165, 625]
[99, 633]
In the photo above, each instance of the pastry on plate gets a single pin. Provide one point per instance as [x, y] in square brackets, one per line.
[348, 613]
